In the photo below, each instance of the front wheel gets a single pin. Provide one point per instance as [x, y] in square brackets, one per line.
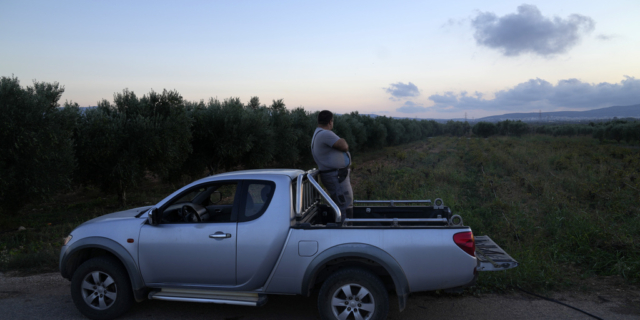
[100, 288]
[353, 293]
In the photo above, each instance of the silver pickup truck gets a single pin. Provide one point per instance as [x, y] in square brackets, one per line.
[237, 237]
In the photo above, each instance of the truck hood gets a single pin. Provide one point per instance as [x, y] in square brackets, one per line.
[126, 214]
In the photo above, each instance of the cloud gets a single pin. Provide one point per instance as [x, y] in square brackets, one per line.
[453, 23]
[605, 37]
[528, 31]
[448, 98]
[411, 107]
[538, 94]
[402, 91]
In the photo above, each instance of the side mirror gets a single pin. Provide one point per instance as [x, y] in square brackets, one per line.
[215, 197]
[154, 217]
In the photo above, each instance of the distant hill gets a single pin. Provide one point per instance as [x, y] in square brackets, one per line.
[595, 114]
[84, 109]
[373, 115]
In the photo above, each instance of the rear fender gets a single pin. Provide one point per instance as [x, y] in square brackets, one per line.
[359, 250]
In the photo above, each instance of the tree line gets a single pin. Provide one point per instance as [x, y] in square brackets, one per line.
[616, 129]
[627, 130]
[46, 148]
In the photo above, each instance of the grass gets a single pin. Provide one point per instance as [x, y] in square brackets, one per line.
[565, 208]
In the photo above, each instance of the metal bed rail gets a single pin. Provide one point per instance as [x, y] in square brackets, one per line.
[455, 220]
[439, 204]
[396, 221]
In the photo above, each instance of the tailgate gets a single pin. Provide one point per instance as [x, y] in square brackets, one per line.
[491, 257]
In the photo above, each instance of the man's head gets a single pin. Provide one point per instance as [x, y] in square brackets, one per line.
[325, 119]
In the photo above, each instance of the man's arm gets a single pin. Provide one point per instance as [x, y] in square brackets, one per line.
[341, 145]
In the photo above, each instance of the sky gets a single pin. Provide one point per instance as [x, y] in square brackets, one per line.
[423, 59]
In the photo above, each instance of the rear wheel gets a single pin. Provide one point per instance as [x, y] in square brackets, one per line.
[353, 293]
[100, 288]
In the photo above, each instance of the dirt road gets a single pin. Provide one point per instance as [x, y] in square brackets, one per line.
[47, 296]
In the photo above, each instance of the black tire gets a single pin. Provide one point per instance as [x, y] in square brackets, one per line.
[371, 304]
[112, 281]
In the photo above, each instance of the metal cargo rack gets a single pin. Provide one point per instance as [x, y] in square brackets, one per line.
[309, 195]
[455, 220]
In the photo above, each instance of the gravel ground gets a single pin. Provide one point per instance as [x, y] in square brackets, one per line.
[46, 296]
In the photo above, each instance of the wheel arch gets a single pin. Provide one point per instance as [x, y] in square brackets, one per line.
[87, 248]
[360, 255]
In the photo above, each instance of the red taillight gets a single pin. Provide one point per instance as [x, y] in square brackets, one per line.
[464, 240]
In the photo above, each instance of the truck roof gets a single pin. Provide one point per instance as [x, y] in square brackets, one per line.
[292, 173]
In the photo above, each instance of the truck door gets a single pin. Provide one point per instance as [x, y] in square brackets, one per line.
[184, 251]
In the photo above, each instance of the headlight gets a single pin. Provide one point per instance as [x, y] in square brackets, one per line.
[67, 239]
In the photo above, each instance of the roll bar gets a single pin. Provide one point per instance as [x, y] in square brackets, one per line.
[309, 193]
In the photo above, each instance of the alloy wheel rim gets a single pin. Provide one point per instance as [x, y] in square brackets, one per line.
[352, 301]
[99, 290]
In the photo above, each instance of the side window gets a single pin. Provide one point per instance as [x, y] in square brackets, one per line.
[226, 194]
[189, 196]
[213, 202]
[257, 198]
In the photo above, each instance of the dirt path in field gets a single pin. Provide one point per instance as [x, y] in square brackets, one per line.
[46, 296]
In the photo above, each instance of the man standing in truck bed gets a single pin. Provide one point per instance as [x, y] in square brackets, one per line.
[332, 156]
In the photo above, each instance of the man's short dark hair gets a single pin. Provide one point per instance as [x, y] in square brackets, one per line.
[324, 117]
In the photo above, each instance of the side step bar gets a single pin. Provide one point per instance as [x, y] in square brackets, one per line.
[491, 257]
[207, 296]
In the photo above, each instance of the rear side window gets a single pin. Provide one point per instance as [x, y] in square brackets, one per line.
[258, 195]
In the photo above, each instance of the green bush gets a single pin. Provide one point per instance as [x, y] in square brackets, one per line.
[484, 129]
[36, 142]
[456, 128]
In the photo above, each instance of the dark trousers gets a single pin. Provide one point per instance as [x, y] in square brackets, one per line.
[340, 192]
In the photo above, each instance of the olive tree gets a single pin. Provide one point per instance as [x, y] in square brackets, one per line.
[230, 135]
[36, 142]
[376, 132]
[204, 130]
[518, 128]
[286, 137]
[484, 129]
[358, 130]
[120, 143]
[456, 128]
[394, 130]
[258, 136]
[304, 124]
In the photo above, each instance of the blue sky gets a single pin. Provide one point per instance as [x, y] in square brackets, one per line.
[402, 58]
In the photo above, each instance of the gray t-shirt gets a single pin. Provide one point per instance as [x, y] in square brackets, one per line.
[323, 152]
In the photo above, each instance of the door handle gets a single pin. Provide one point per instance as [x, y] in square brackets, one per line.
[220, 235]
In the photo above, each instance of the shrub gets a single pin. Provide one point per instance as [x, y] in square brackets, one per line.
[518, 128]
[484, 129]
[456, 128]
[36, 142]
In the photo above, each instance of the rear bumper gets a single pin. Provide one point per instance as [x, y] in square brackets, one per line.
[464, 286]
